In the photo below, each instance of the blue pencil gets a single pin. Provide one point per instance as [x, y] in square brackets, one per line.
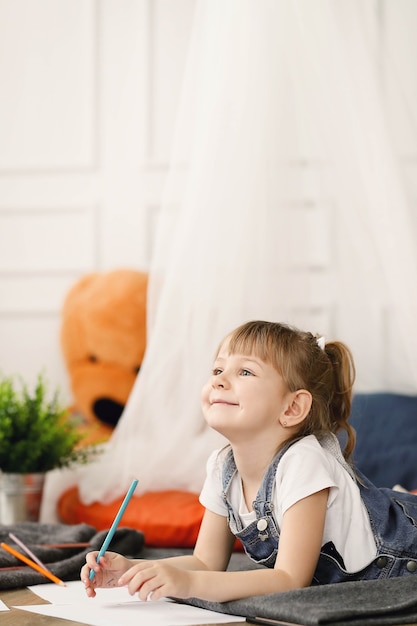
[115, 524]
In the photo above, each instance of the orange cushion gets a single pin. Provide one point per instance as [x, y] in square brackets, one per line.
[167, 518]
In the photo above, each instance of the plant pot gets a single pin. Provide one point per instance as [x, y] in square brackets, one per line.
[20, 497]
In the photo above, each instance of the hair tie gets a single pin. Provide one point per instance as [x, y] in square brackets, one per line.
[321, 342]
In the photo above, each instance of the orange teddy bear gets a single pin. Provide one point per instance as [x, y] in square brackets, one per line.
[103, 338]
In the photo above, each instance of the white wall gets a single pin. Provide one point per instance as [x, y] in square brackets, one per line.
[89, 90]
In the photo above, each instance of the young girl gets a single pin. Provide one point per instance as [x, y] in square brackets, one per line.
[282, 486]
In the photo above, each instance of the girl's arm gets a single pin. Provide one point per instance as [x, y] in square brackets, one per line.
[212, 552]
[202, 575]
[213, 547]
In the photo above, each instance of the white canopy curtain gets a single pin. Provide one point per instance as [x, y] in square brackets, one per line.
[284, 202]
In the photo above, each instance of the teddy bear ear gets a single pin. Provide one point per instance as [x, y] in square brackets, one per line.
[77, 291]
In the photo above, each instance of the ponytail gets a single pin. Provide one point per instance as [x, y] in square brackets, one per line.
[340, 405]
[330, 381]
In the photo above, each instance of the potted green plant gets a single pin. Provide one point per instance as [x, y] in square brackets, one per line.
[36, 436]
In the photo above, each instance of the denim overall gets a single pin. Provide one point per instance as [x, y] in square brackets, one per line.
[393, 517]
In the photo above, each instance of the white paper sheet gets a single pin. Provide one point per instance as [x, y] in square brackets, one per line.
[116, 606]
[74, 592]
[3, 607]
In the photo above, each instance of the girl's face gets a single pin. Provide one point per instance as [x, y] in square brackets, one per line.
[244, 396]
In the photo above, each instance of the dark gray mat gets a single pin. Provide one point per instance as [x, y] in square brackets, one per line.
[65, 563]
[362, 603]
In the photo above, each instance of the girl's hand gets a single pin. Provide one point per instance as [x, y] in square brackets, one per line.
[153, 580]
[107, 572]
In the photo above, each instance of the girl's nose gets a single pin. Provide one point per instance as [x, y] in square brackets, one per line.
[219, 381]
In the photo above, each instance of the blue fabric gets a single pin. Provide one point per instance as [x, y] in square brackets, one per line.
[386, 430]
[393, 517]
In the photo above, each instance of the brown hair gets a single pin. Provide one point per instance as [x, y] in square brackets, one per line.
[327, 374]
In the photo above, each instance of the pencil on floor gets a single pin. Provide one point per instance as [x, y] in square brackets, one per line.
[76, 544]
[32, 564]
[29, 552]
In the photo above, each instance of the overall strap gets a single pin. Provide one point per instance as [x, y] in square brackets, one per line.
[266, 487]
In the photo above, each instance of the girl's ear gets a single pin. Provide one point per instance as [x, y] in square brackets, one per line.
[298, 409]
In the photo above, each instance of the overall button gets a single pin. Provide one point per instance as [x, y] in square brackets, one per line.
[411, 566]
[381, 562]
[262, 526]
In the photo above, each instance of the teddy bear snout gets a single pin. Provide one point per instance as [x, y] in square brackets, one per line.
[108, 411]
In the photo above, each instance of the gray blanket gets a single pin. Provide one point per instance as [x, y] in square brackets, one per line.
[65, 563]
[365, 603]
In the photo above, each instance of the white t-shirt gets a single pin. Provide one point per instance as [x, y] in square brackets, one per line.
[305, 468]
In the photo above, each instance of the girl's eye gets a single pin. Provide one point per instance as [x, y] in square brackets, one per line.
[246, 373]
[217, 371]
